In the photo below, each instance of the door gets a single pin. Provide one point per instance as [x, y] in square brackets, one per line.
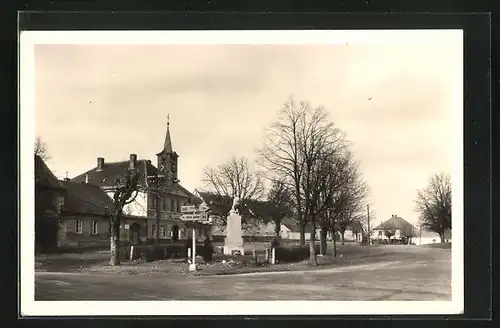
[134, 233]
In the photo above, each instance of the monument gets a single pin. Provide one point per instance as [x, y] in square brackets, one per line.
[234, 241]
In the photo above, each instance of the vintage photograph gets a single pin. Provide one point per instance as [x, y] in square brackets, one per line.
[211, 166]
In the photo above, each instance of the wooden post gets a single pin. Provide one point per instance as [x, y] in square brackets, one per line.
[192, 266]
[273, 256]
[368, 219]
[132, 253]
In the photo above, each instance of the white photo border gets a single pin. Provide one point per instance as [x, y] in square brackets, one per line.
[30, 307]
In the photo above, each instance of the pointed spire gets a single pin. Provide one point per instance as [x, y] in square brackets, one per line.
[167, 148]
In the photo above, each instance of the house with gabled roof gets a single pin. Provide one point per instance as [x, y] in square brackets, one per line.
[160, 195]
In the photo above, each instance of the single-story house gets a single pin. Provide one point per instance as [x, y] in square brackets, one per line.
[399, 226]
[402, 227]
[85, 218]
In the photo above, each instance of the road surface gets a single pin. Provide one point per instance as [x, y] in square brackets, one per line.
[417, 280]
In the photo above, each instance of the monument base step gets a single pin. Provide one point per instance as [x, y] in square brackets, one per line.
[228, 250]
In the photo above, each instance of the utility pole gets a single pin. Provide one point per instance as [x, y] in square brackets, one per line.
[368, 220]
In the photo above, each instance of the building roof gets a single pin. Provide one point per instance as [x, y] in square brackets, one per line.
[167, 147]
[113, 171]
[44, 178]
[85, 198]
[294, 226]
[395, 222]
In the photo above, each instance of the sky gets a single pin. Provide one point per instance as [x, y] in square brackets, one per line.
[393, 100]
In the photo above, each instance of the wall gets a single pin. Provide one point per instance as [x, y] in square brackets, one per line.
[376, 235]
[69, 238]
[166, 203]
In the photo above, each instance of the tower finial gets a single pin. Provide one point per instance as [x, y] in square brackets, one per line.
[167, 148]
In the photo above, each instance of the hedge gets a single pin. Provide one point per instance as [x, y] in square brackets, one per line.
[286, 254]
[150, 253]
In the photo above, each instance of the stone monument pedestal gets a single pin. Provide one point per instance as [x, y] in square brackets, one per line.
[233, 241]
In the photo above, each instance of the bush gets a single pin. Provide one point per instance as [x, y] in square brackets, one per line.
[150, 253]
[293, 253]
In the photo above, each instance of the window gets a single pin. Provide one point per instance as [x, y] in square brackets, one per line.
[172, 204]
[178, 206]
[95, 227]
[153, 230]
[78, 227]
[162, 230]
[380, 233]
[164, 205]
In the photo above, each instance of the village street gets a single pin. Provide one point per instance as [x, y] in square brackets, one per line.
[419, 279]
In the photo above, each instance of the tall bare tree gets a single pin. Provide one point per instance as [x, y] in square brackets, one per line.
[434, 204]
[234, 178]
[281, 153]
[41, 149]
[322, 146]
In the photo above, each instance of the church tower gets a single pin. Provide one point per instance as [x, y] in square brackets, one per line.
[167, 158]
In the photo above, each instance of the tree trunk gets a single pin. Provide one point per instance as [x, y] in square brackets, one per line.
[334, 241]
[115, 240]
[342, 234]
[157, 219]
[312, 247]
[277, 228]
[441, 236]
[302, 227]
[323, 245]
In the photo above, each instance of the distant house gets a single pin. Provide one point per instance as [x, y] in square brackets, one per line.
[420, 236]
[397, 224]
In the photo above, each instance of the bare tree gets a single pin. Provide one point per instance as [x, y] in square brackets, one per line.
[353, 195]
[434, 204]
[408, 233]
[41, 149]
[234, 178]
[277, 205]
[281, 154]
[125, 192]
[322, 147]
[389, 232]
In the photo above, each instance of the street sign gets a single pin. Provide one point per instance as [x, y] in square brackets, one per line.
[191, 217]
[195, 217]
[188, 209]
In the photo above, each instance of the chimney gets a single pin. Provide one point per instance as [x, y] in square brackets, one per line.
[133, 160]
[100, 163]
[66, 178]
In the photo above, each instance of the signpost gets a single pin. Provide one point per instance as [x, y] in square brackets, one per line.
[194, 214]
